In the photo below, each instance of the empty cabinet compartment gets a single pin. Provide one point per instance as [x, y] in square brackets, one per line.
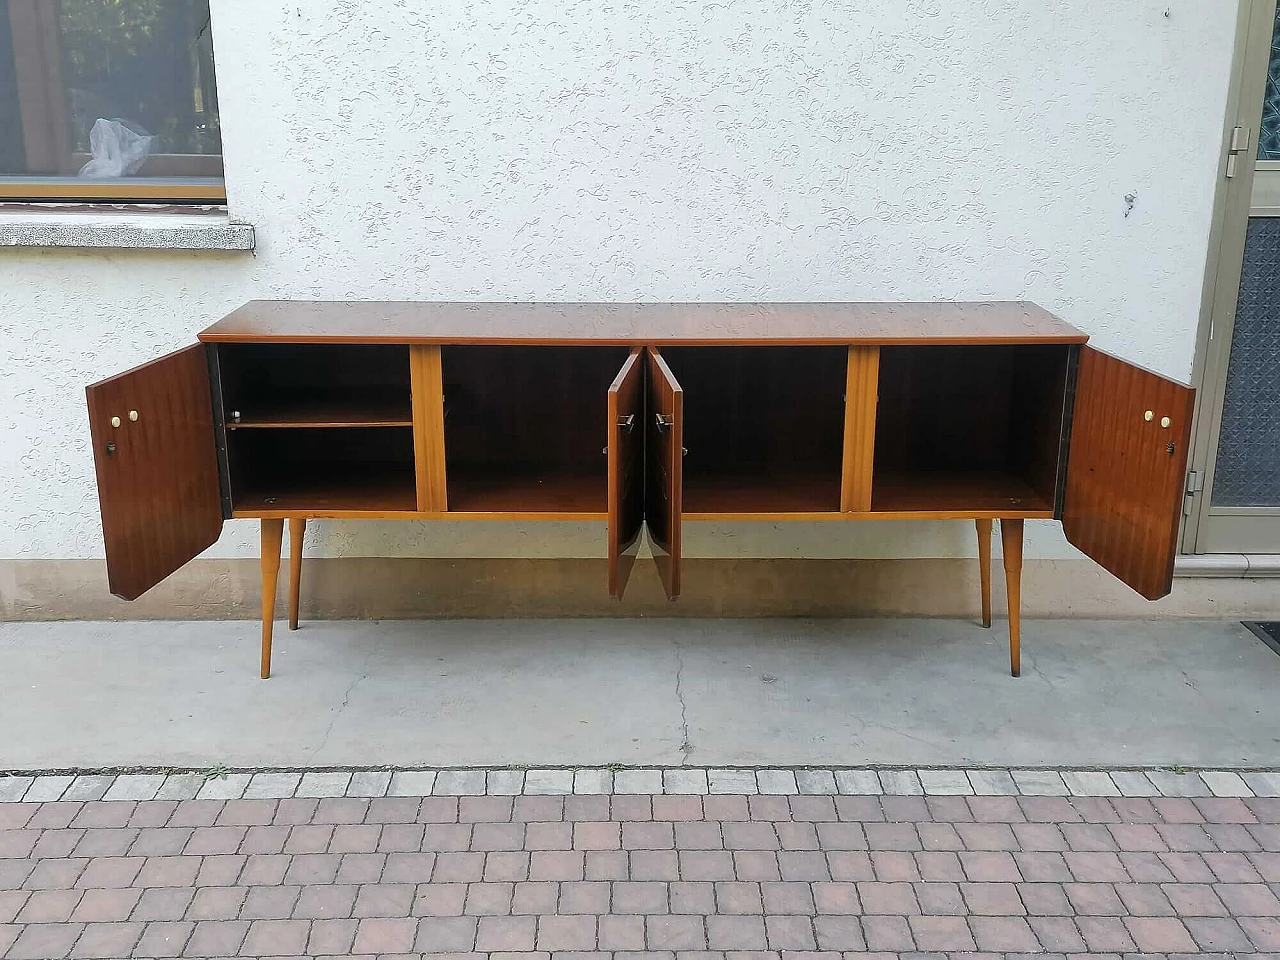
[525, 427]
[970, 428]
[322, 469]
[314, 385]
[763, 427]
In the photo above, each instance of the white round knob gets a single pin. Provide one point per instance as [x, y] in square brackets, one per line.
[1165, 421]
[115, 421]
[1148, 415]
[133, 416]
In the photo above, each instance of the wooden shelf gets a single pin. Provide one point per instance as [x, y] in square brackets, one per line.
[375, 487]
[985, 492]
[761, 494]
[521, 489]
[358, 410]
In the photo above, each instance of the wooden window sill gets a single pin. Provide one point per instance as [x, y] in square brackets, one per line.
[78, 225]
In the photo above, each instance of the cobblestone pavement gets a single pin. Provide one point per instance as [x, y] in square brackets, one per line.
[691, 875]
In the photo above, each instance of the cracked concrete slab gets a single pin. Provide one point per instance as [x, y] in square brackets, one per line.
[637, 692]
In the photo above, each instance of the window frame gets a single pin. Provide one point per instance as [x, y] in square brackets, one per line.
[46, 132]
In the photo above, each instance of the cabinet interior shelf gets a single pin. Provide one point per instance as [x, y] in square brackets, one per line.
[382, 487]
[526, 489]
[982, 491]
[392, 409]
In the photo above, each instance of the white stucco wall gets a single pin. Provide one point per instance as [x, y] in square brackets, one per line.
[656, 150]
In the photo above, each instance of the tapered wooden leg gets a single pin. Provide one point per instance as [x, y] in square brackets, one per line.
[272, 535]
[984, 567]
[1011, 541]
[297, 527]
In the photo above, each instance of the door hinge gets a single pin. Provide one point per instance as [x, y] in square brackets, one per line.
[1195, 483]
[1237, 145]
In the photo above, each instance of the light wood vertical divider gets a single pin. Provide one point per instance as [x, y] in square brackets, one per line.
[427, 384]
[862, 388]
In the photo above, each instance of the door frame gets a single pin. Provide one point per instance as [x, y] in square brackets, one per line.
[1227, 529]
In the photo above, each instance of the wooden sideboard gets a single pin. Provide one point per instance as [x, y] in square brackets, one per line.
[646, 416]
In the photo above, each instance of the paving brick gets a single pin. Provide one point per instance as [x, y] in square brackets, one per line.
[931, 865]
[181, 786]
[163, 903]
[381, 935]
[675, 933]
[216, 938]
[788, 898]
[106, 906]
[736, 933]
[900, 782]
[335, 902]
[1039, 783]
[698, 835]
[1145, 867]
[1218, 934]
[1057, 934]
[535, 897]
[692, 897]
[488, 899]
[369, 783]
[684, 781]
[887, 933]
[446, 934]
[945, 782]
[556, 865]
[1003, 935]
[586, 896]
[47, 788]
[506, 934]
[85, 787]
[1044, 899]
[992, 782]
[620, 933]
[941, 933]
[1105, 934]
[777, 782]
[1172, 784]
[230, 786]
[723, 808]
[792, 933]
[49, 906]
[993, 899]
[1263, 933]
[566, 933]
[166, 939]
[940, 899]
[705, 865]
[12, 788]
[548, 782]
[269, 938]
[637, 782]
[1096, 867]
[505, 783]
[331, 937]
[499, 866]
[1160, 934]
[606, 865]
[439, 900]
[323, 784]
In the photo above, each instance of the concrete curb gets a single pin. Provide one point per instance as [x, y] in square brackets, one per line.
[222, 784]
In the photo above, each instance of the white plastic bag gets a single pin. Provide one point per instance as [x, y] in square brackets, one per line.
[119, 150]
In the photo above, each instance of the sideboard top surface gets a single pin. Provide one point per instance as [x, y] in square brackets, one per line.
[301, 321]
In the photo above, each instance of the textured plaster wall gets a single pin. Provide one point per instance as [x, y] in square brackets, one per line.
[653, 150]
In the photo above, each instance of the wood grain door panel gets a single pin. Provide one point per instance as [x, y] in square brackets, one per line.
[664, 427]
[157, 475]
[1125, 473]
[626, 470]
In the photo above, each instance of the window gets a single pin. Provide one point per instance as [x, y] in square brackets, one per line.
[108, 100]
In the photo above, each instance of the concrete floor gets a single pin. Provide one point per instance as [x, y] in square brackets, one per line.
[637, 692]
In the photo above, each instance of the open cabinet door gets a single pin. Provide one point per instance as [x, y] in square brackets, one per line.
[1125, 473]
[157, 470]
[663, 457]
[626, 470]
